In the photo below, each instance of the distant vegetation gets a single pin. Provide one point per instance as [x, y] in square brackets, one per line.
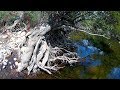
[101, 22]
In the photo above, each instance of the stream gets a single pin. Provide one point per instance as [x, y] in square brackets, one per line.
[114, 74]
[89, 67]
[85, 51]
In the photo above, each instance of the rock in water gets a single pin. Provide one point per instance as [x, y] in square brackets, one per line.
[101, 53]
[85, 42]
[5, 63]
[15, 59]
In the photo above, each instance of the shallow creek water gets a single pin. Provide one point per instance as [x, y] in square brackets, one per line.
[88, 68]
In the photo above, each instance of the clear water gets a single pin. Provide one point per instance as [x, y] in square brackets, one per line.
[86, 50]
[115, 73]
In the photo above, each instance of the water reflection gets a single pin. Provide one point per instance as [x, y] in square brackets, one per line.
[85, 50]
[115, 73]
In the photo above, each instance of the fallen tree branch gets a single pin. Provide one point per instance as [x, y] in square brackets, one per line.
[83, 30]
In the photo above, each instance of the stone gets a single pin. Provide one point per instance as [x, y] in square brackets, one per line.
[4, 36]
[16, 63]
[3, 67]
[10, 63]
[15, 59]
[11, 67]
[85, 42]
[5, 63]
[101, 53]
[6, 60]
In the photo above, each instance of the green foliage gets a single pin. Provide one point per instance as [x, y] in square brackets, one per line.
[102, 22]
[99, 21]
[116, 16]
[37, 16]
[3, 14]
[34, 16]
[7, 16]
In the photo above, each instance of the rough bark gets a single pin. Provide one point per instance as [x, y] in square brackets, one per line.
[36, 53]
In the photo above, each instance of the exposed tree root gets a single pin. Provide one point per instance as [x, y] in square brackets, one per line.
[37, 55]
[34, 51]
